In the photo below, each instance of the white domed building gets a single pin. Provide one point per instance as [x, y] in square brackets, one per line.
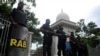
[68, 26]
[62, 15]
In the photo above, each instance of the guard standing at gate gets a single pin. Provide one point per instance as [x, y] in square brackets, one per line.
[61, 41]
[73, 44]
[47, 38]
[17, 18]
[82, 48]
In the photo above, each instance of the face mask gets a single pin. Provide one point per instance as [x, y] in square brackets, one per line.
[47, 22]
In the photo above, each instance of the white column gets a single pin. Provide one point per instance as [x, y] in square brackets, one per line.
[54, 46]
[29, 43]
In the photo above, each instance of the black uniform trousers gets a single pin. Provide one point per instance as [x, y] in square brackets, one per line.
[74, 49]
[61, 47]
[47, 42]
[83, 51]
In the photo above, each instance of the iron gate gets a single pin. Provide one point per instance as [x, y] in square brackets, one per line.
[4, 30]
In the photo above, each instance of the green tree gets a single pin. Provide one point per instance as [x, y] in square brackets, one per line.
[91, 26]
[12, 2]
[82, 27]
[96, 31]
[32, 23]
[89, 29]
[6, 5]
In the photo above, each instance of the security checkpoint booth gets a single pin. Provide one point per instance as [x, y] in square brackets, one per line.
[14, 41]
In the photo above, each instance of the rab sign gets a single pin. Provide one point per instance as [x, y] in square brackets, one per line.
[18, 43]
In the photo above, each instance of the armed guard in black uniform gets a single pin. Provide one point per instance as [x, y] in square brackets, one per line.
[82, 47]
[47, 38]
[61, 41]
[17, 18]
[73, 44]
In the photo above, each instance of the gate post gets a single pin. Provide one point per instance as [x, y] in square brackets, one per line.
[29, 42]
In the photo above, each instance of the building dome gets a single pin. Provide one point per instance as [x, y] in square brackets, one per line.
[62, 15]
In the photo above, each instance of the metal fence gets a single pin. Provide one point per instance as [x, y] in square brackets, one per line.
[4, 30]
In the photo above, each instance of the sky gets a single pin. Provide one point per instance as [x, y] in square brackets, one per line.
[75, 9]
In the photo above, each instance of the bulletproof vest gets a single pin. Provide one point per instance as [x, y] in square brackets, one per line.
[19, 17]
[63, 36]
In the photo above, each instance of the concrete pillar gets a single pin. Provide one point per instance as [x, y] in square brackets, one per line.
[29, 42]
[54, 46]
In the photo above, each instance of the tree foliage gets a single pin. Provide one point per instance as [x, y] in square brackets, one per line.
[32, 23]
[88, 29]
[12, 2]
[91, 32]
[6, 5]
